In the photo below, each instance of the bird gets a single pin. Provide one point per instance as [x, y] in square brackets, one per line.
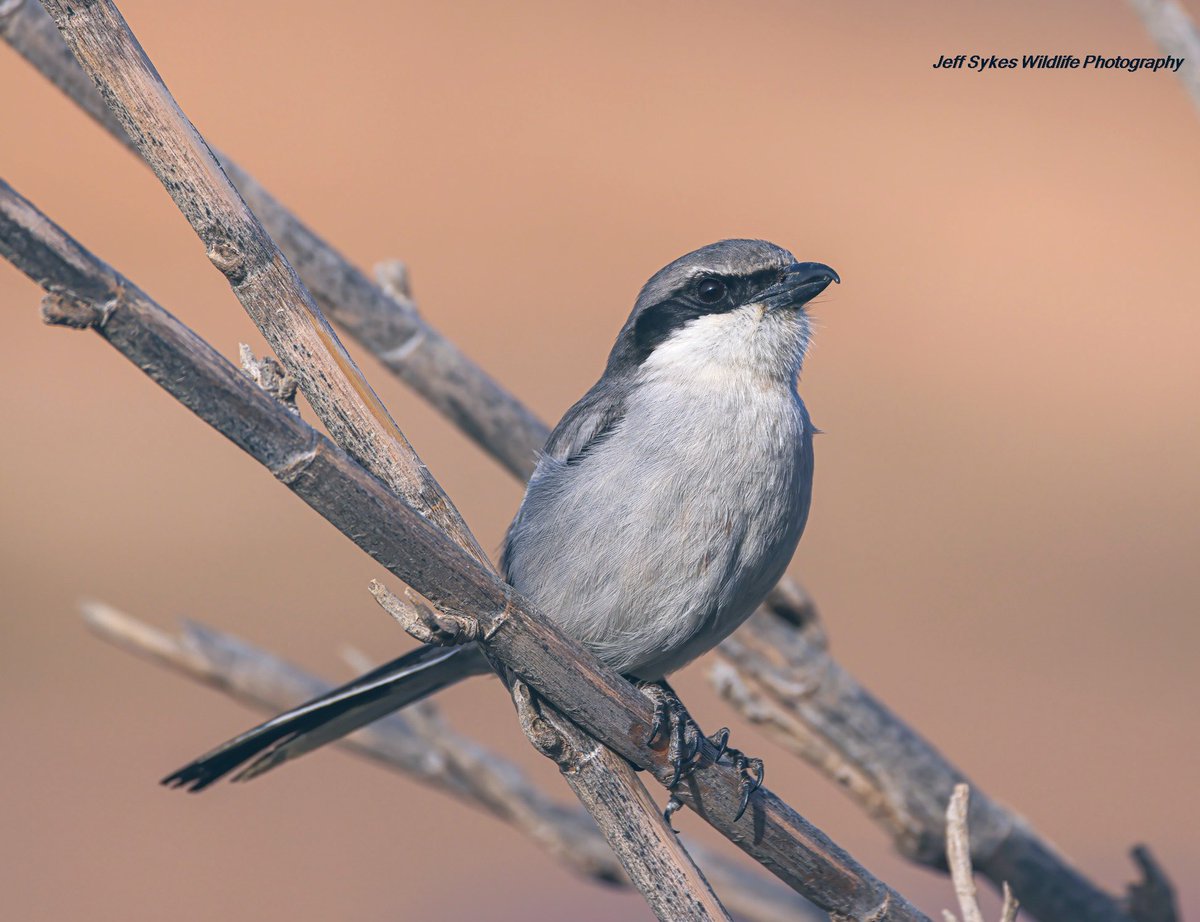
[664, 506]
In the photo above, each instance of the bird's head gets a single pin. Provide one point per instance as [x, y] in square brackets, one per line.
[733, 307]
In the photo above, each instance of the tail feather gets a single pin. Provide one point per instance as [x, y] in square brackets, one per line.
[332, 715]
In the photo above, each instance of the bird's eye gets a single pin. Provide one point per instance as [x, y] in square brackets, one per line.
[710, 291]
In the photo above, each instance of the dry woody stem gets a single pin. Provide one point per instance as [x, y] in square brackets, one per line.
[292, 323]
[236, 243]
[798, 693]
[958, 856]
[420, 744]
[651, 854]
[385, 322]
[589, 693]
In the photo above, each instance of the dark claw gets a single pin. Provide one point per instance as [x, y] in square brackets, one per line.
[685, 744]
[676, 776]
[685, 747]
[671, 720]
[750, 778]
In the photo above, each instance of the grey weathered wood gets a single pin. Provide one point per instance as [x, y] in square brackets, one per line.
[958, 857]
[648, 849]
[421, 745]
[237, 244]
[383, 318]
[85, 293]
[290, 320]
[384, 321]
[777, 671]
[294, 325]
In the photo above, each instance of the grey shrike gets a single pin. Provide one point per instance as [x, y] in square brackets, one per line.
[664, 506]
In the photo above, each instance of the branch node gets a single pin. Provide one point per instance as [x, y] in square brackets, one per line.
[297, 464]
[422, 622]
[791, 603]
[392, 276]
[62, 310]
[545, 738]
[230, 259]
[268, 374]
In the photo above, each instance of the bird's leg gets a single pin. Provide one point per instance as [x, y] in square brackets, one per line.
[684, 750]
[675, 724]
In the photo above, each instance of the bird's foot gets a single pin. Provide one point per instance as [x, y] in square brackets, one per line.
[673, 722]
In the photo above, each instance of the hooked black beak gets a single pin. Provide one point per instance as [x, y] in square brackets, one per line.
[801, 283]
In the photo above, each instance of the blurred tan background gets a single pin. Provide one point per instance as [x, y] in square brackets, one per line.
[1007, 516]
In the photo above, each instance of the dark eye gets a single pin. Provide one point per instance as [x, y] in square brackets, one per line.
[710, 291]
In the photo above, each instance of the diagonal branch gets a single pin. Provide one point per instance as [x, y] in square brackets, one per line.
[236, 243]
[840, 729]
[418, 743]
[384, 322]
[86, 293]
[778, 672]
[290, 320]
[650, 852]
[647, 846]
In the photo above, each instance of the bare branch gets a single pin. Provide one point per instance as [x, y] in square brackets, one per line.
[778, 672]
[590, 693]
[630, 821]
[1170, 26]
[647, 847]
[290, 320]
[421, 745]
[898, 777]
[260, 275]
[385, 322]
[958, 855]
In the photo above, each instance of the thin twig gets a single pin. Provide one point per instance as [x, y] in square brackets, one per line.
[385, 322]
[958, 855]
[423, 746]
[1152, 899]
[778, 672]
[90, 294]
[294, 325]
[648, 849]
[900, 795]
[238, 245]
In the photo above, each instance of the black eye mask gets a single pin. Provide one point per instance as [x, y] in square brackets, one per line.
[708, 294]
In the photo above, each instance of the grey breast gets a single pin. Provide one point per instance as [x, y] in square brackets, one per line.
[649, 534]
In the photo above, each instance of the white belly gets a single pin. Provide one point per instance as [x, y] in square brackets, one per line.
[666, 536]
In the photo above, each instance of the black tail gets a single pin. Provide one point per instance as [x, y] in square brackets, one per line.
[333, 715]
